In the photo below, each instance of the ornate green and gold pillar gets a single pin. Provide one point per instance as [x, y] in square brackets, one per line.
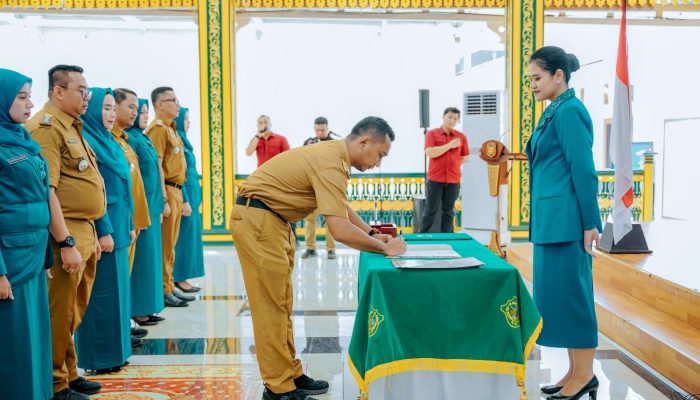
[525, 24]
[216, 55]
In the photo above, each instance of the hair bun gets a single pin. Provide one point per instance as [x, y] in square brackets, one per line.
[573, 62]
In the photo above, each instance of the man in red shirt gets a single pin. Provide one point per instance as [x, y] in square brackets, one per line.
[266, 144]
[447, 150]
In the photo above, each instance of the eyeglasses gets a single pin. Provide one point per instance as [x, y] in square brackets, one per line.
[85, 93]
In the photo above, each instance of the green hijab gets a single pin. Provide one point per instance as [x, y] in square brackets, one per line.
[109, 153]
[12, 133]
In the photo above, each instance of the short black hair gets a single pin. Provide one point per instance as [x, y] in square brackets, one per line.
[321, 121]
[454, 110]
[121, 93]
[157, 92]
[58, 75]
[377, 127]
[552, 58]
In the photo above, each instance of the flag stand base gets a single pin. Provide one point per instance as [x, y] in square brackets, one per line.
[633, 243]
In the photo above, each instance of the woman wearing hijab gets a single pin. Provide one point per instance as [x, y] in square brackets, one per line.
[189, 250]
[147, 273]
[25, 358]
[103, 339]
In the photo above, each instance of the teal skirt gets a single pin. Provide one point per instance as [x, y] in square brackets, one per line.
[563, 293]
[189, 250]
[103, 339]
[25, 356]
[147, 273]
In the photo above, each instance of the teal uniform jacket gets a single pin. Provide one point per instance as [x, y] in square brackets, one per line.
[189, 250]
[563, 192]
[25, 353]
[147, 273]
[563, 179]
[103, 339]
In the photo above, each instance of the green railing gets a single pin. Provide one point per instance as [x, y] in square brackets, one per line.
[389, 197]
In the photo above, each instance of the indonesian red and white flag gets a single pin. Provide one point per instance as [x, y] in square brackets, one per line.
[621, 139]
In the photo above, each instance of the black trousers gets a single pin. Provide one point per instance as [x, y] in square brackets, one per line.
[440, 200]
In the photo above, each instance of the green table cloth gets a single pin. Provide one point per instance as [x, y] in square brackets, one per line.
[461, 320]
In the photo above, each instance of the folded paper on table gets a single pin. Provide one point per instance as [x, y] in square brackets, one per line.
[467, 262]
[429, 251]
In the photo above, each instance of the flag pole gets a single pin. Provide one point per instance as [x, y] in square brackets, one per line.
[622, 236]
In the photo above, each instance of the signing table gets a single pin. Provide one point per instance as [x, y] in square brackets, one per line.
[442, 334]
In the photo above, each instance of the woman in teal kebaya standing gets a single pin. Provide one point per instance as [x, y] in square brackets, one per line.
[103, 339]
[25, 357]
[189, 250]
[147, 274]
[564, 222]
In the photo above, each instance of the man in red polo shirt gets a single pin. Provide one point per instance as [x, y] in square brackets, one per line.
[266, 144]
[447, 150]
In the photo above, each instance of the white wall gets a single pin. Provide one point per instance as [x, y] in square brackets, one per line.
[345, 71]
[139, 55]
[663, 64]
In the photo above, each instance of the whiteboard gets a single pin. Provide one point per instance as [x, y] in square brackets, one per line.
[680, 183]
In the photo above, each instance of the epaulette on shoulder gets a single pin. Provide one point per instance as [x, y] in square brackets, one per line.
[47, 120]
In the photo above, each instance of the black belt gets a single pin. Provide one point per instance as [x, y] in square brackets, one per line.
[173, 184]
[255, 203]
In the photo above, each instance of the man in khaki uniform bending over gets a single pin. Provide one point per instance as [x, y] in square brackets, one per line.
[286, 189]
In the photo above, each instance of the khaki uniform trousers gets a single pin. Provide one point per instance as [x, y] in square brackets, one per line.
[265, 247]
[311, 233]
[170, 230]
[69, 294]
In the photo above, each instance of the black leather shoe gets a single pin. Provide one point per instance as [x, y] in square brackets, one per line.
[550, 389]
[70, 394]
[591, 389]
[308, 253]
[182, 296]
[155, 318]
[172, 301]
[192, 289]
[331, 255]
[293, 395]
[139, 332]
[84, 386]
[103, 371]
[147, 322]
[310, 386]
[136, 342]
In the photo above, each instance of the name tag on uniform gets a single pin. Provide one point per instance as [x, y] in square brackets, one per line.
[72, 141]
[17, 159]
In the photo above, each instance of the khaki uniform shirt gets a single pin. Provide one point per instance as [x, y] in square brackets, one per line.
[301, 180]
[169, 148]
[72, 165]
[142, 220]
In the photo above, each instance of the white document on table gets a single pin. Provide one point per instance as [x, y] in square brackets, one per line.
[429, 251]
[454, 263]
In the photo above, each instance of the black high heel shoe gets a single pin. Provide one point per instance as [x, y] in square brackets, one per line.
[550, 389]
[591, 389]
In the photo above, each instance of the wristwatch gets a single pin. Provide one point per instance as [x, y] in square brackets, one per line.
[69, 241]
[373, 232]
